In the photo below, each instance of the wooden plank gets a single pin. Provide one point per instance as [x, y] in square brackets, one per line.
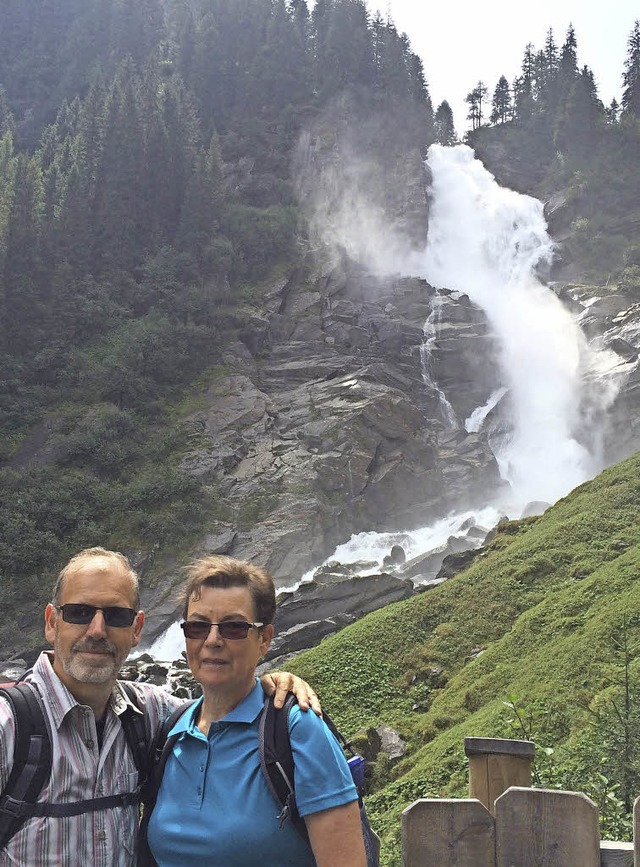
[616, 854]
[636, 833]
[443, 832]
[546, 828]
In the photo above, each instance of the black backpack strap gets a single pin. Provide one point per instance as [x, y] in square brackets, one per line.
[135, 731]
[31, 758]
[276, 761]
[158, 754]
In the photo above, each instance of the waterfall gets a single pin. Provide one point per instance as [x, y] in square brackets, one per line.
[488, 241]
[430, 335]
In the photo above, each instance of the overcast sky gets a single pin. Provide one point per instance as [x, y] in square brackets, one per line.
[463, 41]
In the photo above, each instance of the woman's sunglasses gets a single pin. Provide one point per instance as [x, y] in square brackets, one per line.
[233, 629]
[81, 614]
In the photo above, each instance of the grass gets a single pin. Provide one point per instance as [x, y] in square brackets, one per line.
[544, 605]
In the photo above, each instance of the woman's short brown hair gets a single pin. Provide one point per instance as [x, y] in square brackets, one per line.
[216, 570]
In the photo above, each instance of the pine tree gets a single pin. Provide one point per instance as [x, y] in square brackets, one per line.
[24, 295]
[501, 105]
[523, 87]
[443, 125]
[199, 220]
[7, 123]
[631, 77]
[613, 111]
[344, 49]
[582, 114]
[121, 234]
[568, 67]
[475, 99]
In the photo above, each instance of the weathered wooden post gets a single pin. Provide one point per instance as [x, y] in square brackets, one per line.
[636, 833]
[446, 832]
[495, 764]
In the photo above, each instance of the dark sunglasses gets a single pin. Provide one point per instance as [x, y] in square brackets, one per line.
[81, 614]
[233, 629]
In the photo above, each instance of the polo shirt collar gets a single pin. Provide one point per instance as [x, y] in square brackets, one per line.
[246, 712]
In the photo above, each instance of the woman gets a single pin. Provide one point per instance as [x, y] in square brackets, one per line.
[213, 806]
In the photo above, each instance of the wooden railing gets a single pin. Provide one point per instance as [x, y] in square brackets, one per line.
[506, 823]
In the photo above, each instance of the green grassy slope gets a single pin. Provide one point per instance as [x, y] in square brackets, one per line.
[545, 604]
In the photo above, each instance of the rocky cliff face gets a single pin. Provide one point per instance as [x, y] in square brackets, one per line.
[324, 421]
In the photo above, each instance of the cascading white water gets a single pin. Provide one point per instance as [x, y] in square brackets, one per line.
[430, 336]
[486, 241]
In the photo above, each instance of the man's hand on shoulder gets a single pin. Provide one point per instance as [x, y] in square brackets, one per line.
[282, 682]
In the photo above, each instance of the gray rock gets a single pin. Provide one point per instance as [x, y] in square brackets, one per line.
[391, 743]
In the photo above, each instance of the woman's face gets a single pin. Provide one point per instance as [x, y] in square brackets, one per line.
[223, 663]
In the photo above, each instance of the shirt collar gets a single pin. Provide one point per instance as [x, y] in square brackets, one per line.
[246, 712]
[61, 700]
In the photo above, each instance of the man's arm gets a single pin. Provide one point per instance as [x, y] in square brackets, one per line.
[282, 682]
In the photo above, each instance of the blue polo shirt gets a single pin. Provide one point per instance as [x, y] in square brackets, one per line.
[214, 808]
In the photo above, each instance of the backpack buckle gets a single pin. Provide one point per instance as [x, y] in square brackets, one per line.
[11, 807]
[282, 816]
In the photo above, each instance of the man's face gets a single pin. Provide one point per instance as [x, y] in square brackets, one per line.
[93, 652]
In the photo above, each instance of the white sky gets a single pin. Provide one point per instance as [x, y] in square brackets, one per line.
[463, 41]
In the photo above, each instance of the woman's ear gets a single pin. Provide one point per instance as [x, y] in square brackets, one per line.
[266, 637]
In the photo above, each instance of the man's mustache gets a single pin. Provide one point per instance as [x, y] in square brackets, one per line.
[98, 646]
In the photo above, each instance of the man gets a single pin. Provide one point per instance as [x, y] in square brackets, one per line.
[92, 622]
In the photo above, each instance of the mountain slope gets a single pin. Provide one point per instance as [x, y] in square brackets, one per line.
[546, 615]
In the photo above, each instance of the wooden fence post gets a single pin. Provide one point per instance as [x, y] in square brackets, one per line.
[447, 832]
[546, 827]
[636, 833]
[495, 764]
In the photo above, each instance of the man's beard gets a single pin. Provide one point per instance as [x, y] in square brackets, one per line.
[100, 670]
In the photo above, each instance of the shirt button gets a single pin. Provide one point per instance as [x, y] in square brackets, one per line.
[199, 790]
[201, 768]
[89, 744]
[101, 835]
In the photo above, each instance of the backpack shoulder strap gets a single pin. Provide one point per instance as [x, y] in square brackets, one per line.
[163, 744]
[31, 758]
[158, 754]
[276, 760]
[135, 731]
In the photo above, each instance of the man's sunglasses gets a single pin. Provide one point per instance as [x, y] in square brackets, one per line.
[233, 629]
[81, 614]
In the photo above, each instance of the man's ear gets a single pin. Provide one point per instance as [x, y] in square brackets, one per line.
[50, 618]
[138, 623]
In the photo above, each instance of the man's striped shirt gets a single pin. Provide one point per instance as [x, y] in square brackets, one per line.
[80, 771]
